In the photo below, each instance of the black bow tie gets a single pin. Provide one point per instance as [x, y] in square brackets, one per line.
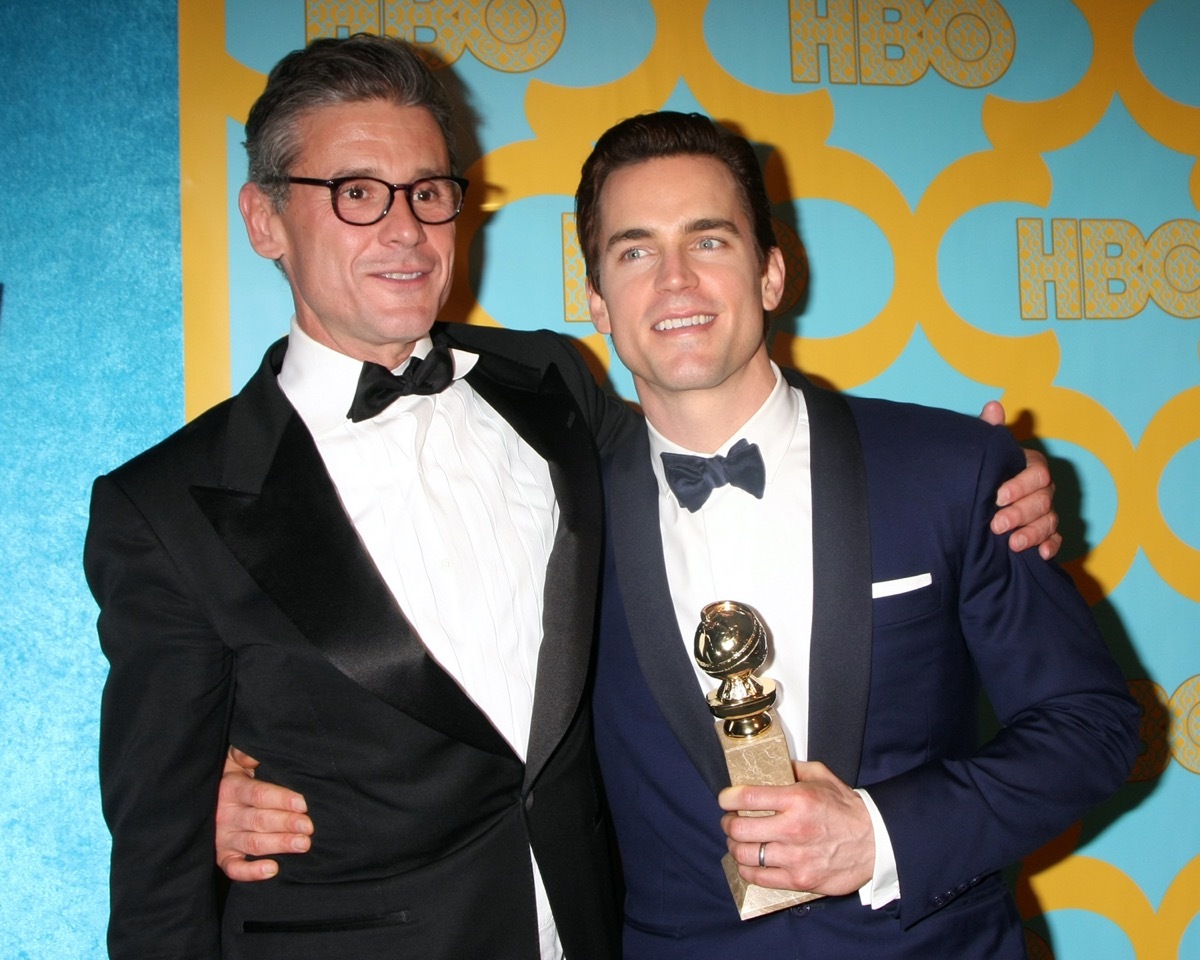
[692, 479]
[378, 386]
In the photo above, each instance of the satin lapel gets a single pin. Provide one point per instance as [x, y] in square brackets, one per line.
[661, 652]
[840, 656]
[280, 515]
[541, 410]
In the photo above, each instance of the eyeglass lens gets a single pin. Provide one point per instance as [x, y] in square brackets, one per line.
[363, 200]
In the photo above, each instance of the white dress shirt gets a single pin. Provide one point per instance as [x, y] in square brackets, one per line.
[759, 552]
[458, 514]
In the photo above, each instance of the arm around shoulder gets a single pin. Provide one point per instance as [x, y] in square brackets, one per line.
[609, 417]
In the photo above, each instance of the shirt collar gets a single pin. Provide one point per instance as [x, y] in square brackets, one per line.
[772, 427]
[320, 382]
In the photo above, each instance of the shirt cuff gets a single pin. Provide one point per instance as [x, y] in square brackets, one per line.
[884, 885]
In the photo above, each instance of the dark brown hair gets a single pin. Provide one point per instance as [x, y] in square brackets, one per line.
[668, 134]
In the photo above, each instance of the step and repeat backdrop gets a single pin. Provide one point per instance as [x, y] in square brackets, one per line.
[977, 199]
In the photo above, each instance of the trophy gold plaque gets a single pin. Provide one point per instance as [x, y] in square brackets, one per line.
[731, 644]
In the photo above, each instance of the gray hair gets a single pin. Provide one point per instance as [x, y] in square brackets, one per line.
[333, 71]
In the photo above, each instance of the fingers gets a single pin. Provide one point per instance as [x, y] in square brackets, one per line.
[773, 799]
[1041, 532]
[761, 863]
[238, 818]
[993, 413]
[1048, 549]
[1035, 478]
[238, 758]
[259, 818]
[238, 788]
[248, 871]
[262, 795]
[256, 819]
[235, 845]
[1029, 513]
[818, 837]
[785, 864]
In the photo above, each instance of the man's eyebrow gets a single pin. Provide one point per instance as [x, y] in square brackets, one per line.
[633, 233]
[713, 223]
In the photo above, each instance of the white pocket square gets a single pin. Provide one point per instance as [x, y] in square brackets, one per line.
[889, 588]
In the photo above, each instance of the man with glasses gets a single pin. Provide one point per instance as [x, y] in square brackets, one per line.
[375, 569]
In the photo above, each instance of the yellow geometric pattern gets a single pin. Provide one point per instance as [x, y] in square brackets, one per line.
[1087, 263]
[1085, 883]
[1170, 727]
[575, 304]
[511, 36]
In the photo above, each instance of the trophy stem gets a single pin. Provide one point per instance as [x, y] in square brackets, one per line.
[744, 727]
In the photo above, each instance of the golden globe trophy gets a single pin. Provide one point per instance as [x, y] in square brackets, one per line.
[731, 644]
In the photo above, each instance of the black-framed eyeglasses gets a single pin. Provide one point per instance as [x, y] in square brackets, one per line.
[362, 201]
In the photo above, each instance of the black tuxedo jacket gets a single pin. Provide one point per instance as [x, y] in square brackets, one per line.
[238, 605]
[898, 492]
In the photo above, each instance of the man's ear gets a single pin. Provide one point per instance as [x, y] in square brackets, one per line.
[263, 226]
[598, 309]
[774, 274]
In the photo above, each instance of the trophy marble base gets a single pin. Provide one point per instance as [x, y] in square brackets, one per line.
[761, 759]
[752, 900]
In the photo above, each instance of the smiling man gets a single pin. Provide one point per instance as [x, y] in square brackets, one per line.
[860, 533]
[375, 568]
[366, 292]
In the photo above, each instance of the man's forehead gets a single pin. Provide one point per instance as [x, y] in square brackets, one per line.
[343, 126]
[694, 191]
[677, 170]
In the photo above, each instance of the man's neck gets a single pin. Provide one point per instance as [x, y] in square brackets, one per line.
[703, 420]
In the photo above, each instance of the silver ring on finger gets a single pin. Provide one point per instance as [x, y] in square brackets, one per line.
[762, 854]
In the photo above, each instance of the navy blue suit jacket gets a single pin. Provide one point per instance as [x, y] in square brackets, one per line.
[898, 490]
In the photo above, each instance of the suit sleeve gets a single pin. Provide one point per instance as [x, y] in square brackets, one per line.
[608, 416]
[163, 729]
[1068, 733]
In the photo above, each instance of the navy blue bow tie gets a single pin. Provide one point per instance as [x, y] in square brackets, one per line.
[692, 479]
[378, 386]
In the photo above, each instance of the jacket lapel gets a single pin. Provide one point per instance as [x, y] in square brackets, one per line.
[279, 514]
[661, 651]
[840, 654]
[539, 407]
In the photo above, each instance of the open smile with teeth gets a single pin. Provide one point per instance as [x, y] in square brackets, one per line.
[402, 276]
[699, 320]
